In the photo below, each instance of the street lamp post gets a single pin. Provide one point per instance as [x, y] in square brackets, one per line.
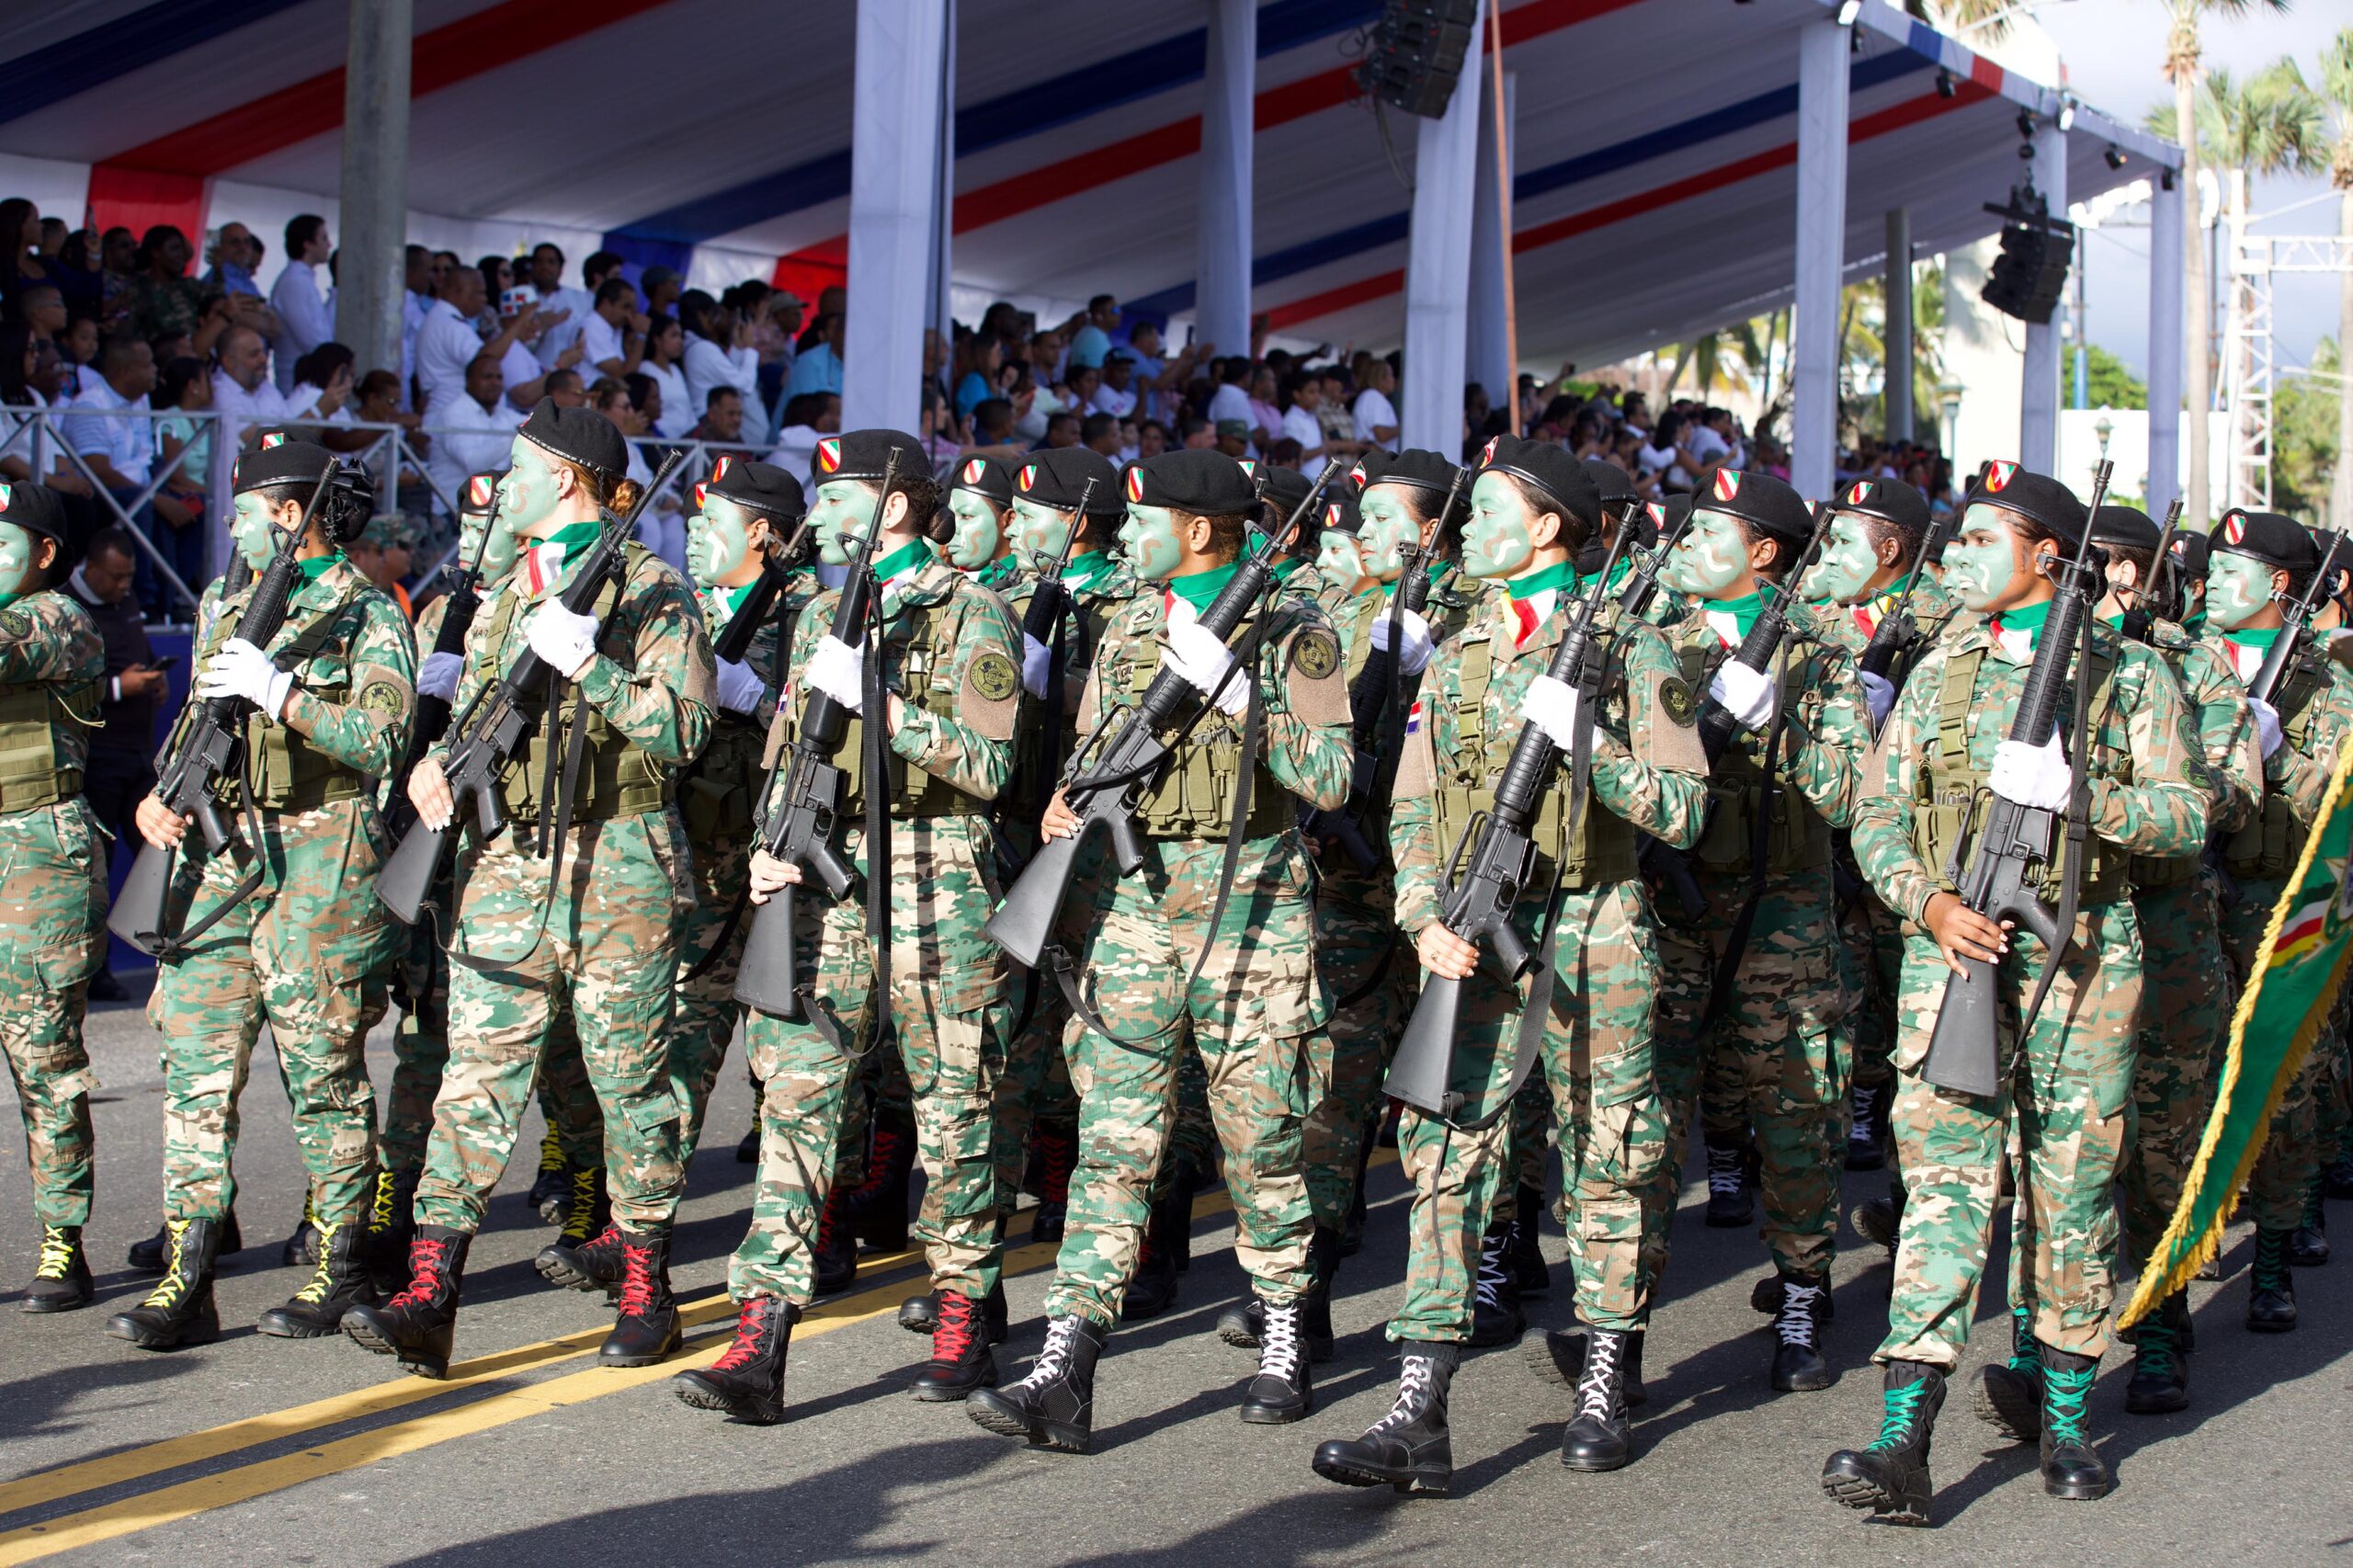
[1949, 429]
[2103, 427]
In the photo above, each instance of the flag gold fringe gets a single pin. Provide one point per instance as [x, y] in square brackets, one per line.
[2152, 1288]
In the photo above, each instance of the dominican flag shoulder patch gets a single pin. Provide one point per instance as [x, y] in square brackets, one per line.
[1998, 476]
[829, 454]
[1414, 718]
[1727, 484]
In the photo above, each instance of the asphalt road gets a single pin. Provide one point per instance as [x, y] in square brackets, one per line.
[255, 1449]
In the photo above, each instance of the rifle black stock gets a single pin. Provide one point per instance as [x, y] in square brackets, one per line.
[2160, 596]
[1897, 634]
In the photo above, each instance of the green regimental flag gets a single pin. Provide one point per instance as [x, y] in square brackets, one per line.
[2291, 988]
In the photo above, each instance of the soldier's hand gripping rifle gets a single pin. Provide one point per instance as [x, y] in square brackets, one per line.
[1494, 860]
[1897, 634]
[210, 750]
[2019, 841]
[461, 605]
[1763, 639]
[1374, 701]
[1105, 781]
[804, 827]
[493, 725]
[2160, 597]
[1042, 623]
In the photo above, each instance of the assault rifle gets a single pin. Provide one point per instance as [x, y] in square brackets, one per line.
[1897, 634]
[1043, 622]
[1763, 639]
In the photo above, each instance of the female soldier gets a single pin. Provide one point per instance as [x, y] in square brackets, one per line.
[974, 525]
[329, 709]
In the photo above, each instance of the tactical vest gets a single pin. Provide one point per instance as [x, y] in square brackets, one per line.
[1951, 799]
[2267, 847]
[32, 775]
[286, 771]
[1800, 837]
[927, 681]
[1195, 795]
[617, 776]
[1604, 848]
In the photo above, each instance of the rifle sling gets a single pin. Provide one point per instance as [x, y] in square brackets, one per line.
[168, 947]
[1528, 1042]
[2078, 830]
[875, 699]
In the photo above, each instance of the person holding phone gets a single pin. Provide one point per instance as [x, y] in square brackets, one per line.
[120, 769]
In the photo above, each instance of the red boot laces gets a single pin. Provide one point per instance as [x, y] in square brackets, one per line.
[951, 1336]
[1060, 1155]
[637, 1281]
[427, 1257]
[751, 1338]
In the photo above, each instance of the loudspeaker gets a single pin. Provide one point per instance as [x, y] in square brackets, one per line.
[1415, 53]
[2030, 276]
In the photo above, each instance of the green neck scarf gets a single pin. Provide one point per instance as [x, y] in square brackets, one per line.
[1200, 588]
[2247, 638]
[997, 574]
[2196, 625]
[2028, 618]
[1082, 570]
[1560, 574]
[914, 554]
[318, 566]
[1744, 610]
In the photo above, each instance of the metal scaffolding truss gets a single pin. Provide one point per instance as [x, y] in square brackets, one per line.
[2248, 367]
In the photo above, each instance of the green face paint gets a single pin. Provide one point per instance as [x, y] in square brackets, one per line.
[1496, 542]
[252, 530]
[2237, 587]
[498, 555]
[980, 536]
[1844, 570]
[1710, 559]
[527, 491]
[1387, 528]
[1980, 561]
[843, 506]
[1340, 558]
[719, 539]
[19, 550]
[1039, 530]
[1149, 537]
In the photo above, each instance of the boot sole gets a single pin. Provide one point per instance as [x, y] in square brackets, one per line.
[1240, 1338]
[947, 1393]
[364, 1336]
[1811, 1383]
[2019, 1423]
[1596, 1467]
[2164, 1404]
[44, 1304]
[693, 1391]
[284, 1328]
[669, 1348]
[2288, 1327]
[1424, 1480]
[1854, 1491]
[2079, 1492]
[1059, 1436]
[557, 1271]
[1552, 1360]
[146, 1339]
[1270, 1415]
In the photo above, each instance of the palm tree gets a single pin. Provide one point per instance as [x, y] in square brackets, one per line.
[2336, 94]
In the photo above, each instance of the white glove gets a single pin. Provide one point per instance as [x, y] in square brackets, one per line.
[1748, 695]
[1415, 656]
[740, 687]
[1551, 706]
[2266, 725]
[565, 640]
[1200, 655]
[1037, 664]
[240, 669]
[1879, 693]
[839, 671]
[2034, 777]
[439, 677]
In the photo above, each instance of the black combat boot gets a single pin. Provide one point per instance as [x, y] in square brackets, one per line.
[2337, 1180]
[1534, 1274]
[420, 1324]
[1240, 1324]
[1410, 1447]
[1167, 1247]
[1352, 1223]
[1891, 1477]
[2308, 1243]
[1798, 1366]
[61, 1280]
[834, 1258]
[1057, 1158]
[1054, 1406]
[747, 1147]
[2009, 1397]
[1866, 1133]
[179, 1309]
[148, 1257]
[1559, 1358]
[747, 1381]
[1322, 1264]
[1730, 1200]
[1879, 1221]
[392, 1225]
[647, 1327]
[1284, 1390]
[302, 1248]
[2271, 1290]
[920, 1314]
[880, 1205]
[1495, 1317]
[1597, 1436]
[339, 1282]
[2072, 1468]
[961, 1360]
[592, 1265]
[553, 1181]
[587, 1210]
[2161, 1360]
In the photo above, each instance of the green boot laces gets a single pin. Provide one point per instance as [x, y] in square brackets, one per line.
[2270, 1270]
[2026, 1356]
[2064, 1389]
[1903, 1415]
[2158, 1348]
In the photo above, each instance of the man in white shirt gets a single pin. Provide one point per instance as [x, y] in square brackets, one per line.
[547, 280]
[243, 394]
[1306, 393]
[305, 316]
[807, 418]
[612, 340]
[1375, 416]
[417, 298]
[473, 431]
[1116, 395]
[119, 449]
[1706, 440]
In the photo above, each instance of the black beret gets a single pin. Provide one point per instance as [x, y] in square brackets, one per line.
[481, 493]
[1549, 467]
[2126, 526]
[577, 435]
[2268, 537]
[1281, 488]
[1616, 486]
[37, 510]
[2191, 550]
[1196, 480]
[1417, 466]
[2037, 497]
[281, 460]
[1058, 478]
[1897, 502]
[762, 487]
[987, 477]
[1762, 501]
[863, 454]
[1339, 515]
[2342, 559]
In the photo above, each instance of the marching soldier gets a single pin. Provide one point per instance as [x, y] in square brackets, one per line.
[2063, 1089]
[974, 526]
[950, 661]
[592, 926]
[1532, 509]
[1171, 965]
[54, 890]
[284, 926]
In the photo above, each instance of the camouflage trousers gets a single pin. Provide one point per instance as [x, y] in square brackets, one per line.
[1685, 972]
[944, 996]
[1370, 971]
[420, 1045]
[704, 1013]
[1776, 1060]
[2185, 1011]
[2290, 1159]
[1596, 1060]
[299, 954]
[1246, 1016]
[52, 939]
[1526, 1153]
[1872, 938]
[2064, 1100]
[1034, 1095]
[603, 952]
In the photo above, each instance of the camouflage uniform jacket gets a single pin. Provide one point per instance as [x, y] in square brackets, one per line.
[2221, 718]
[50, 648]
[1097, 600]
[1824, 727]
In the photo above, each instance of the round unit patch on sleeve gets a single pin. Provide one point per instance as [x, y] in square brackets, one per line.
[1316, 654]
[16, 624]
[994, 676]
[1676, 701]
[382, 697]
